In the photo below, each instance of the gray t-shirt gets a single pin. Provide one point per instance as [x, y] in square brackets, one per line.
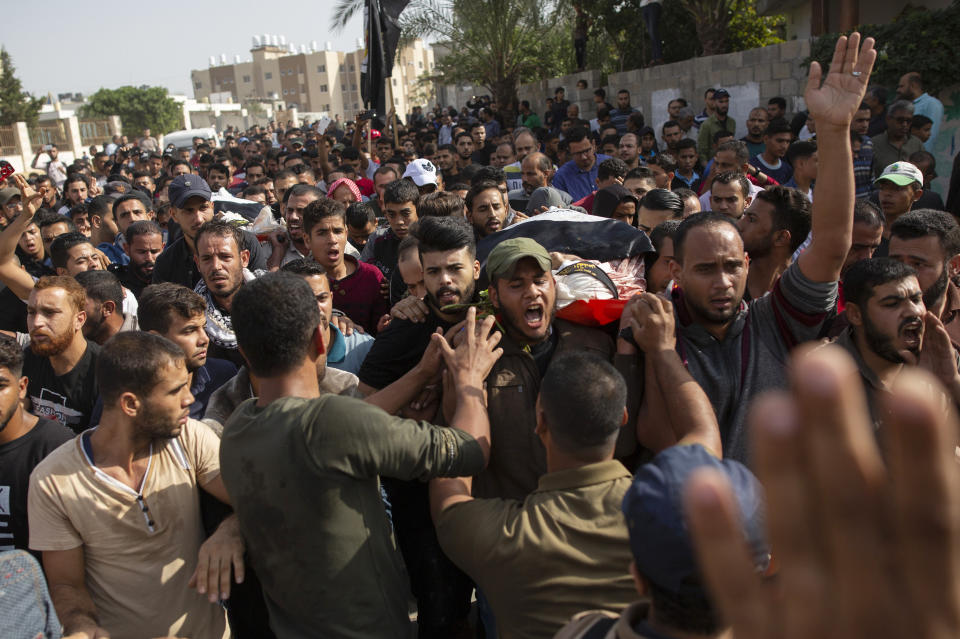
[752, 357]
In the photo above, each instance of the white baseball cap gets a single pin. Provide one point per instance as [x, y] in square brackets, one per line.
[901, 174]
[422, 172]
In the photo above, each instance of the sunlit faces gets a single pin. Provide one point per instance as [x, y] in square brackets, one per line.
[712, 271]
[526, 301]
[143, 251]
[221, 263]
[488, 213]
[31, 243]
[412, 273]
[728, 199]
[926, 256]
[52, 321]
[449, 276]
[892, 322]
[196, 212]
[327, 239]
[400, 217]
[130, 211]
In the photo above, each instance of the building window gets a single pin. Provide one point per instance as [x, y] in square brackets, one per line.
[396, 101]
[285, 92]
[303, 89]
[246, 79]
[351, 68]
[323, 88]
[353, 87]
[343, 87]
[356, 106]
[322, 68]
[326, 107]
[420, 64]
[198, 85]
[268, 75]
[394, 81]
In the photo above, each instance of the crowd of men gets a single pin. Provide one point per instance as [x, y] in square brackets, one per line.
[298, 383]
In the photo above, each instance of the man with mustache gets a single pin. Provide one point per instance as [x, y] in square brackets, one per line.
[60, 363]
[143, 245]
[891, 327]
[929, 242]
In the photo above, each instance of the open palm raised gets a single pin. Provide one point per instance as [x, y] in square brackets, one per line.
[835, 102]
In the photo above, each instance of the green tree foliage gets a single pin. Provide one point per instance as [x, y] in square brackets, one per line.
[16, 105]
[748, 30]
[139, 108]
[917, 40]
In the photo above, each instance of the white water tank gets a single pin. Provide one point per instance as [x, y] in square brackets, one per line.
[223, 58]
[256, 42]
[283, 40]
[313, 45]
[213, 61]
[265, 39]
[329, 46]
[236, 59]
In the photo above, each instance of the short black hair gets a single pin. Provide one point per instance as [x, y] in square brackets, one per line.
[577, 134]
[11, 355]
[926, 223]
[219, 228]
[663, 200]
[866, 212]
[479, 187]
[641, 173]
[359, 214]
[142, 227]
[490, 173]
[704, 218]
[734, 177]
[740, 150]
[303, 267]
[299, 190]
[440, 204]
[664, 160]
[920, 121]
[780, 102]
[800, 149]
[791, 212]
[438, 234]
[274, 318]
[400, 191]
[777, 126]
[132, 362]
[45, 217]
[133, 195]
[321, 209]
[686, 143]
[158, 303]
[102, 286]
[863, 277]
[62, 244]
[663, 230]
[586, 422]
[611, 167]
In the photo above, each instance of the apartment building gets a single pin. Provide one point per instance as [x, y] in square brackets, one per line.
[312, 80]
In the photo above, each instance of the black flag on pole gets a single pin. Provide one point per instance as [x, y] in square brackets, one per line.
[381, 36]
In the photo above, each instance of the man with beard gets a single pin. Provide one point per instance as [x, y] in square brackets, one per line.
[179, 314]
[191, 208]
[450, 270]
[536, 171]
[60, 362]
[143, 245]
[295, 200]
[773, 227]
[890, 327]
[486, 210]
[929, 242]
[735, 350]
[718, 121]
[223, 266]
[104, 307]
[25, 440]
[116, 508]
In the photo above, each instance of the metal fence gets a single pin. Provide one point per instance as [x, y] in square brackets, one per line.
[49, 133]
[8, 141]
[95, 132]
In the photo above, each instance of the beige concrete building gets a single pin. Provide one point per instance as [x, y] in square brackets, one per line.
[312, 80]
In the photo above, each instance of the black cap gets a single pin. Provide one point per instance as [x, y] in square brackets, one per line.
[184, 187]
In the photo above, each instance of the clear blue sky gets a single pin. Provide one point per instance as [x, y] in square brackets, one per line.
[62, 46]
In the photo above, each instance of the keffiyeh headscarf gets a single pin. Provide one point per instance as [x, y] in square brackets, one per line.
[350, 184]
[219, 327]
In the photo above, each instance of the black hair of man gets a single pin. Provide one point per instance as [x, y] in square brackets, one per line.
[11, 356]
[705, 219]
[791, 212]
[285, 174]
[665, 161]
[62, 244]
[102, 286]
[478, 188]
[321, 209]
[740, 150]
[801, 149]
[301, 190]
[610, 139]
[252, 191]
[440, 204]
[159, 303]
[669, 124]
[584, 424]
[664, 230]
[136, 196]
[177, 163]
[219, 228]
[142, 227]
[77, 177]
[920, 121]
[636, 119]
[600, 93]
[777, 126]
[102, 205]
[447, 147]
[686, 143]
[45, 217]
[866, 212]
[719, 135]
[304, 267]
[441, 234]
[663, 200]
[359, 214]
[734, 177]
[134, 362]
[685, 194]
[577, 134]
[780, 102]
[611, 167]
[640, 173]
[929, 223]
[274, 318]
[384, 169]
[863, 277]
[219, 168]
[462, 134]
[400, 192]
[490, 174]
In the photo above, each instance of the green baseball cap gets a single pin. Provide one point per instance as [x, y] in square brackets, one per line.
[901, 174]
[505, 255]
[8, 194]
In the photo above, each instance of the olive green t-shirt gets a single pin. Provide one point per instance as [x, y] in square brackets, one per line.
[303, 476]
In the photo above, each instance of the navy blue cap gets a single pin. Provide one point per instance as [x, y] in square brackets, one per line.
[721, 93]
[184, 187]
[653, 508]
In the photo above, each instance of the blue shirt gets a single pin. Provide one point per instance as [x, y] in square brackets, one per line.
[931, 107]
[346, 353]
[579, 184]
[206, 379]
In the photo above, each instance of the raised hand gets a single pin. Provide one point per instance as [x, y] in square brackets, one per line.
[836, 101]
[29, 198]
[475, 354]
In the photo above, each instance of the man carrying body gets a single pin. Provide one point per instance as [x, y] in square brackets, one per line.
[334, 448]
[114, 509]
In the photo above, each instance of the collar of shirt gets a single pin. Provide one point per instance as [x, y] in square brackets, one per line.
[337, 351]
[583, 476]
[201, 377]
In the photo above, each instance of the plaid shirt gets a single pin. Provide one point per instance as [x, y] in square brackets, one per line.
[863, 168]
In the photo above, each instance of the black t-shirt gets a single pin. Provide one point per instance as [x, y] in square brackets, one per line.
[128, 279]
[397, 349]
[17, 460]
[13, 312]
[69, 398]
